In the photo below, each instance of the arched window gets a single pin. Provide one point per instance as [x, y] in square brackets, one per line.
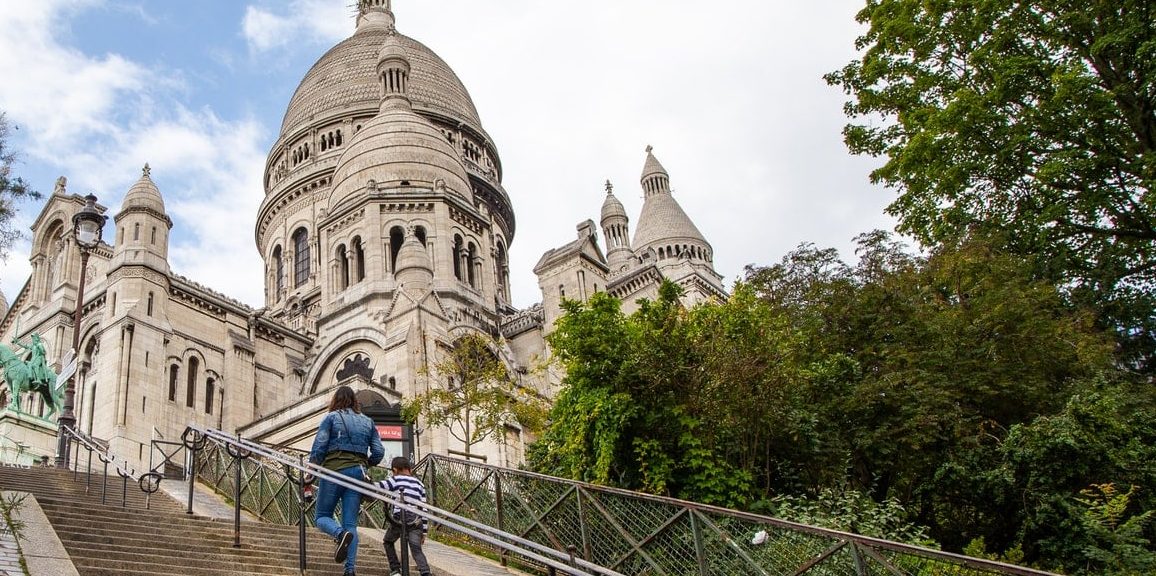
[154, 236]
[459, 252]
[173, 383]
[358, 260]
[419, 231]
[396, 237]
[191, 393]
[502, 270]
[301, 259]
[342, 268]
[149, 310]
[279, 271]
[136, 232]
[471, 253]
[210, 391]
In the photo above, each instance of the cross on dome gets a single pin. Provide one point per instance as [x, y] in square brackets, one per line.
[609, 187]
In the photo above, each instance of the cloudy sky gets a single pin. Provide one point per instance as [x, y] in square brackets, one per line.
[729, 93]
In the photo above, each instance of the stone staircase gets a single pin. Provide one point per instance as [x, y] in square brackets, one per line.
[108, 539]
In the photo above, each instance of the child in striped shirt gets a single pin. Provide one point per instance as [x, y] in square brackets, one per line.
[406, 484]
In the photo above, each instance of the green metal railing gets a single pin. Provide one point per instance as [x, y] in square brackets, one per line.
[638, 534]
[627, 532]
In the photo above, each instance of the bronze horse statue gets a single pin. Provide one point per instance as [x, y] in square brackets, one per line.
[31, 376]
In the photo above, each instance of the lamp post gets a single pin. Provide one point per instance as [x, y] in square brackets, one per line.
[87, 226]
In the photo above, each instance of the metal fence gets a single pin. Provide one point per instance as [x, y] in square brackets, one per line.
[643, 535]
[266, 482]
[626, 532]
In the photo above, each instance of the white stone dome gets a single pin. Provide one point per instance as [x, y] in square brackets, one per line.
[612, 207]
[144, 194]
[398, 148]
[344, 81]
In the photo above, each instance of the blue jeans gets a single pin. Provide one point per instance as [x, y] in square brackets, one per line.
[328, 494]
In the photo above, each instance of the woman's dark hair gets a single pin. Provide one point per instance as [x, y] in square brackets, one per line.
[344, 398]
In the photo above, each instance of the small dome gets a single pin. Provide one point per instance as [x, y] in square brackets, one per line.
[612, 207]
[663, 220]
[144, 194]
[393, 49]
[413, 263]
[398, 148]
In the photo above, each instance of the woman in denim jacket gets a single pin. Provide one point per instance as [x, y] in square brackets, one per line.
[344, 439]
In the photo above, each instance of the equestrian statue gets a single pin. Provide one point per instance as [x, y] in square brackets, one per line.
[31, 375]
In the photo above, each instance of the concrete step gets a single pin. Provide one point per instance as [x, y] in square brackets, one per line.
[111, 540]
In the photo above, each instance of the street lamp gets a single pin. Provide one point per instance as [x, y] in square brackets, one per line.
[87, 226]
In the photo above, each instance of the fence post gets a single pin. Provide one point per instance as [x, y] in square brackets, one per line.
[104, 484]
[301, 517]
[193, 445]
[431, 482]
[583, 528]
[239, 455]
[504, 555]
[699, 549]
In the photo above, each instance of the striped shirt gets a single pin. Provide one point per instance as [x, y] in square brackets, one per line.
[411, 488]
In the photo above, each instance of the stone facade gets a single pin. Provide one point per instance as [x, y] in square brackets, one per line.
[384, 230]
[666, 246]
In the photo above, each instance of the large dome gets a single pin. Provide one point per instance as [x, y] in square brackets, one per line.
[345, 80]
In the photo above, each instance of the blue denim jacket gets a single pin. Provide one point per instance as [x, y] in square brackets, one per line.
[348, 431]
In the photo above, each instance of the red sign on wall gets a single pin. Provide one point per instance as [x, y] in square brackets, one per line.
[390, 432]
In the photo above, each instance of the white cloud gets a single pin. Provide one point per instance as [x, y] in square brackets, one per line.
[100, 119]
[308, 20]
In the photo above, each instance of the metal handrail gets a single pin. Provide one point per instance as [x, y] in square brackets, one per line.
[148, 483]
[550, 557]
[674, 508]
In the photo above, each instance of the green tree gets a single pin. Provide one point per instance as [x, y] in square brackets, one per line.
[1104, 435]
[13, 189]
[589, 418]
[1038, 117]
[918, 366]
[473, 395]
[636, 410]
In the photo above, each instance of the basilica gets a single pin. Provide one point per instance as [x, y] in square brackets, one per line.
[384, 231]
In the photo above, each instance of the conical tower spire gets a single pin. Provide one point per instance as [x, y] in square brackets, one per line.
[655, 180]
[663, 225]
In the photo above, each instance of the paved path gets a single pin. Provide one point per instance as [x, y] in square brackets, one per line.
[9, 555]
[43, 553]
